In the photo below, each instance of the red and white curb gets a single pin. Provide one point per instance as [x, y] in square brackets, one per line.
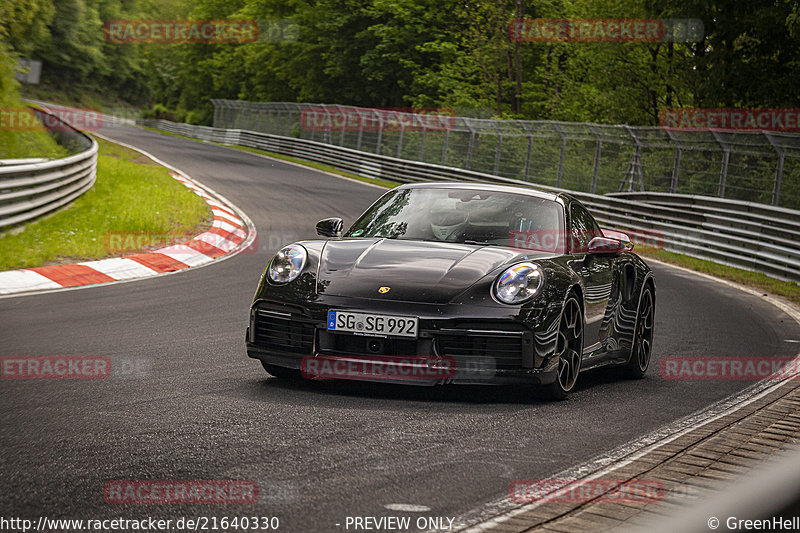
[230, 233]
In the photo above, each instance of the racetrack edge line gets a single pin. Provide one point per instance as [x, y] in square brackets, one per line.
[248, 240]
[496, 512]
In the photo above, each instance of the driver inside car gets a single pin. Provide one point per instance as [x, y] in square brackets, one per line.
[449, 224]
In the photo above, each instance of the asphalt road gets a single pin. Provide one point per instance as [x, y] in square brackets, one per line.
[197, 408]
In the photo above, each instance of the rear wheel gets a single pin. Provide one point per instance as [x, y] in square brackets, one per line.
[569, 350]
[643, 337]
[281, 372]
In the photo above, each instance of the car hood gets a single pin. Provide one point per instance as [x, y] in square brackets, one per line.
[414, 271]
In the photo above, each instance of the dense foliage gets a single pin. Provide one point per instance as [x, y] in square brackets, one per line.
[422, 53]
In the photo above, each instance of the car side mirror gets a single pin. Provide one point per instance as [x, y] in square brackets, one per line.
[605, 246]
[620, 236]
[330, 227]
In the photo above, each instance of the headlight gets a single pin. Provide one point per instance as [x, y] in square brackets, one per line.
[519, 283]
[287, 264]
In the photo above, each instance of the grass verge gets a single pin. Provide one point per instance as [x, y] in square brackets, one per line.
[18, 141]
[786, 289]
[134, 204]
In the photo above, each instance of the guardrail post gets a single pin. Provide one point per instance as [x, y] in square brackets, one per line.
[636, 165]
[360, 130]
[234, 123]
[446, 140]
[726, 155]
[288, 120]
[298, 112]
[380, 132]
[498, 149]
[216, 112]
[344, 126]
[400, 139]
[311, 127]
[471, 143]
[596, 170]
[260, 118]
[561, 156]
[328, 131]
[776, 189]
[673, 187]
[248, 117]
[231, 115]
[528, 130]
[422, 137]
[268, 127]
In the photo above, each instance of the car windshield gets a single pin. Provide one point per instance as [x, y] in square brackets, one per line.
[465, 216]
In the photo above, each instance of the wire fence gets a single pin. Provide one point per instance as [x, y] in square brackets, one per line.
[597, 158]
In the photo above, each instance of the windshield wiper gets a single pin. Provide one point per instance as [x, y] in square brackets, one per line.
[482, 243]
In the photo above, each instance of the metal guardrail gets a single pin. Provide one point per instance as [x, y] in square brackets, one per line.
[756, 166]
[747, 235]
[100, 119]
[31, 189]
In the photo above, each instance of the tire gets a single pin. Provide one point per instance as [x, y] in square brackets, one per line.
[281, 372]
[569, 350]
[642, 347]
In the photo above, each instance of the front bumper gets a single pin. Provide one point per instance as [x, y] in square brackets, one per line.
[482, 345]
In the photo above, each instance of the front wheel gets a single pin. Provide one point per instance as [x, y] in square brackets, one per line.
[643, 337]
[569, 350]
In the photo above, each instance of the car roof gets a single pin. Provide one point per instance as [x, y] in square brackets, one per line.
[484, 187]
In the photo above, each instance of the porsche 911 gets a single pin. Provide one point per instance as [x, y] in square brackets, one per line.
[440, 283]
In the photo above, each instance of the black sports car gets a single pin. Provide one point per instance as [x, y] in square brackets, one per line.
[457, 283]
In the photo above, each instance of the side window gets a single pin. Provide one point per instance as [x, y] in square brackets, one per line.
[583, 229]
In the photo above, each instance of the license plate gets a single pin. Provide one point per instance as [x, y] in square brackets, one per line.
[370, 324]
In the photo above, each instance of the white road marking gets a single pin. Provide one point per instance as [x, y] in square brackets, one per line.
[407, 507]
[186, 255]
[217, 241]
[229, 228]
[496, 512]
[120, 268]
[14, 280]
[11, 281]
[226, 218]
